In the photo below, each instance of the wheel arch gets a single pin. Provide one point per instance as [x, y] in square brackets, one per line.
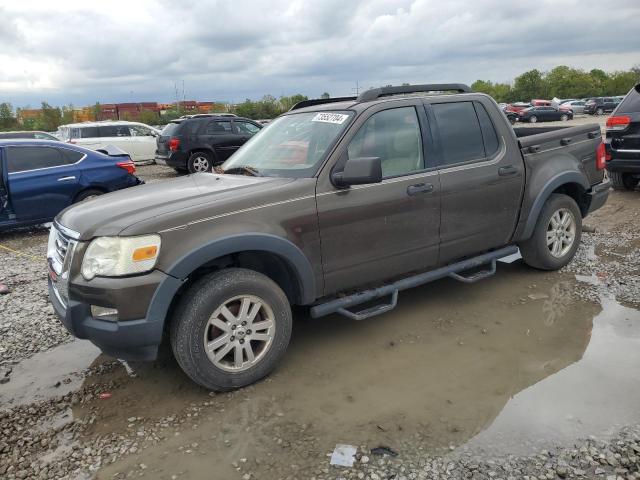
[572, 184]
[276, 257]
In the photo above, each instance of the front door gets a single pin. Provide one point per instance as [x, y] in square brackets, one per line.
[372, 233]
[481, 176]
[219, 135]
[41, 181]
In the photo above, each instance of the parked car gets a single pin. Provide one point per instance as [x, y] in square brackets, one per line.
[623, 142]
[600, 105]
[540, 103]
[576, 106]
[36, 135]
[511, 116]
[381, 193]
[198, 143]
[40, 178]
[517, 107]
[544, 114]
[137, 139]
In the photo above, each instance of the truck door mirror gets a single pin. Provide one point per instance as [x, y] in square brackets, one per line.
[359, 171]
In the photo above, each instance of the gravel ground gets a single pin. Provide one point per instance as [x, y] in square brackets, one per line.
[47, 439]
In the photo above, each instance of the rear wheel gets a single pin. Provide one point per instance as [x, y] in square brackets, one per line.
[556, 236]
[231, 328]
[623, 181]
[87, 195]
[200, 162]
[533, 119]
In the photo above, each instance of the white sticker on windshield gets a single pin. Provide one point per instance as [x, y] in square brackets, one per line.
[338, 118]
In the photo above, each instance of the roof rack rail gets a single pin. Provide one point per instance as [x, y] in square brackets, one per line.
[375, 93]
[319, 101]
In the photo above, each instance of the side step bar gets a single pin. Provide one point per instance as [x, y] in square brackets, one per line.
[341, 305]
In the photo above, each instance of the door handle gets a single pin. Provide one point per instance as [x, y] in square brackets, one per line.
[419, 188]
[66, 179]
[507, 171]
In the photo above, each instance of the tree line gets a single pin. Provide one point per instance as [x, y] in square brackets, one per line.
[560, 82]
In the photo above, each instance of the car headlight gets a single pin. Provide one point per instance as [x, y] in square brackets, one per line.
[120, 256]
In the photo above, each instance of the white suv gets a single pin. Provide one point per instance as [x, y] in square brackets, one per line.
[137, 139]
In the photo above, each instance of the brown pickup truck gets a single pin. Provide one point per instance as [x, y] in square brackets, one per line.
[336, 204]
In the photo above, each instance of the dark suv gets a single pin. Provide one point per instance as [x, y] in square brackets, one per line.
[623, 142]
[600, 105]
[199, 143]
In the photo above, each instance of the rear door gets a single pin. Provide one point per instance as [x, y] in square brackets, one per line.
[219, 135]
[371, 233]
[41, 181]
[481, 177]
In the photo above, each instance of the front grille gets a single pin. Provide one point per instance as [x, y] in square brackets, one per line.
[59, 256]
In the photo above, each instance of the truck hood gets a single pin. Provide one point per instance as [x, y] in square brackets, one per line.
[110, 214]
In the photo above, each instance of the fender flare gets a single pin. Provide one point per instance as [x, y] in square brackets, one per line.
[549, 187]
[179, 272]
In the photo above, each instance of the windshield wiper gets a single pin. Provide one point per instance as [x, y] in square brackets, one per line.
[243, 169]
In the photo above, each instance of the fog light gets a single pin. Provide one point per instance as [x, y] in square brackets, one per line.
[104, 313]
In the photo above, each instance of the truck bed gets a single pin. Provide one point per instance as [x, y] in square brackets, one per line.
[543, 144]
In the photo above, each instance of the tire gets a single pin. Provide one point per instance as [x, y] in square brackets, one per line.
[623, 181]
[564, 118]
[191, 329]
[599, 111]
[536, 252]
[87, 194]
[200, 162]
[533, 119]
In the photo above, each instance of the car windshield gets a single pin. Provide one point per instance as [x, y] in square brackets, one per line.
[292, 145]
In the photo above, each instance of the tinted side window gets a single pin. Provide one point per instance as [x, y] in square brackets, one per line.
[114, 131]
[71, 156]
[246, 128]
[87, 132]
[489, 134]
[20, 159]
[631, 103]
[217, 127]
[394, 136]
[460, 132]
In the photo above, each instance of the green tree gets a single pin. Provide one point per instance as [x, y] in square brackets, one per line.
[50, 118]
[619, 83]
[325, 95]
[68, 114]
[7, 118]
[96, 110]
[149, 117]
[530, 85]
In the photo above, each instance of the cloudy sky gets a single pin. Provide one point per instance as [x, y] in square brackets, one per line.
[138, 50]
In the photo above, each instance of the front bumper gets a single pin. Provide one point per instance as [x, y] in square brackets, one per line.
[599, 194]
[131, 339]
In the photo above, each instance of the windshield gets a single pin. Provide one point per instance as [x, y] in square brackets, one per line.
[292, 145]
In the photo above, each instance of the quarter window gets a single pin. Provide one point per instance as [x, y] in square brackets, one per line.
[114, 131]
[460, 133]
[137, 131]
[489, 135]
[21, 159]
[394, 136]
[218, 128]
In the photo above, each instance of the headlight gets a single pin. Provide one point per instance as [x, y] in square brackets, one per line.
[119, 256]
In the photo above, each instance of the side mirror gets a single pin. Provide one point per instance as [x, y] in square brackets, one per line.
[359, 171]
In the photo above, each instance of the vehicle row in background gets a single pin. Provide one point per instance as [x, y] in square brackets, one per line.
[40, 178]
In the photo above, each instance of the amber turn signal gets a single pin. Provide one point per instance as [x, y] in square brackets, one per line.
[145, 253]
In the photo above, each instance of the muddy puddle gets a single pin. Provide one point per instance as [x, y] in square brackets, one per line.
[510, 363]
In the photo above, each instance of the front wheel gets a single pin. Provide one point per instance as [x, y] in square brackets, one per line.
[556, 236]
[599, 111]
[231, 328]
[533, 119]
[564, 118]
[623, 181]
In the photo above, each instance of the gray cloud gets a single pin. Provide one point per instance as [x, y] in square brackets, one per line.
[232, 50]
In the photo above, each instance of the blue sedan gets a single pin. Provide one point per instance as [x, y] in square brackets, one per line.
[40, 178]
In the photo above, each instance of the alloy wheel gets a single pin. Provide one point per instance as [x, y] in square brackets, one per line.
[561, 232]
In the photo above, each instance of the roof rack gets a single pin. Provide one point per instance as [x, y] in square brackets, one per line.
[375, 93]
[319, 101]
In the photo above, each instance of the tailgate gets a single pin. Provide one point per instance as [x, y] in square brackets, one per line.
[580, 142]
